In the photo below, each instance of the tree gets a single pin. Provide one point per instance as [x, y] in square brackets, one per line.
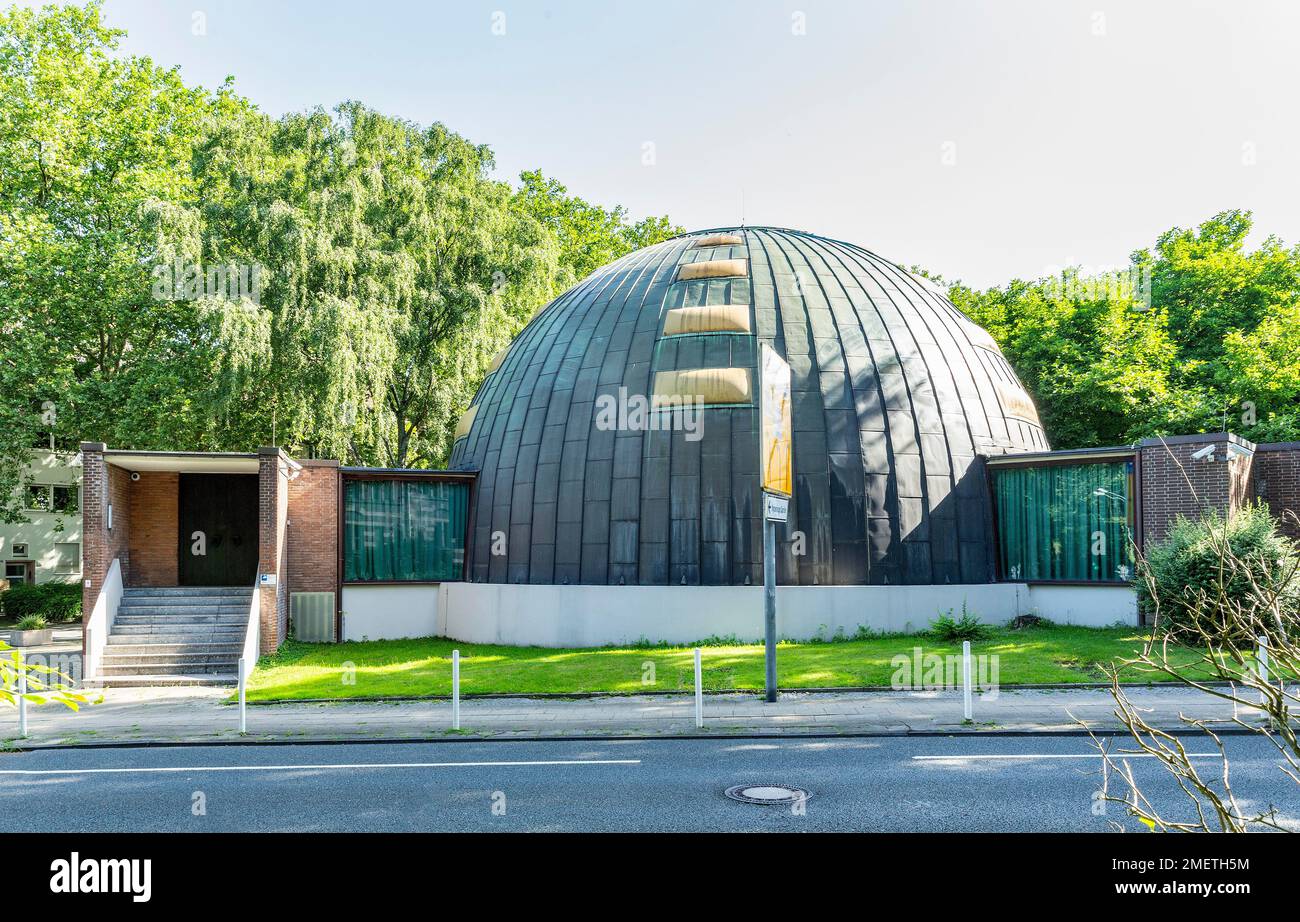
[1093, 360]
[394, 268]
[1206, 636]
[385, 266]
[1210, 343]
[90, 143]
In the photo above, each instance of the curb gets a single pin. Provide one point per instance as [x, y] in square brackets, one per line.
[818, 690]
[571, 738]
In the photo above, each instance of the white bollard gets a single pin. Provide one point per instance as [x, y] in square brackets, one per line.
[967, 710]
[455, 689]
[243, 697]
[699, 692]
[22, 696]
[1261, 666]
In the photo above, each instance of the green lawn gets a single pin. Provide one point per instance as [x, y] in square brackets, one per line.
[390, 668]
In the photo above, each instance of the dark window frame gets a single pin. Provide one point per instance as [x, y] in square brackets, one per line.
[352, 475]
[1134, 518]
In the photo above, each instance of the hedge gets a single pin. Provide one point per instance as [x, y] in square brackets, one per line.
[56, 602]
[1187, 571]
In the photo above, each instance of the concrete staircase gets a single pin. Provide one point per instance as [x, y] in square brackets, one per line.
[189, 635]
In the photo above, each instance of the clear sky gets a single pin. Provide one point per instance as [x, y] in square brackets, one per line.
[982, 140]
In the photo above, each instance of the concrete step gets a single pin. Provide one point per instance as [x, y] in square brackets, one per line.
[188, 617]
[210, 633]
[185, 591]
[153, 655]
[171, 607]
[169, 637]
[203, 622]
[167, 668]
[175, 649]
[148, 681]
[135, 639]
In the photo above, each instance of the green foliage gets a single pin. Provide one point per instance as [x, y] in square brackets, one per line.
[392, 267]
[1028, 622]
[1203, 564]
[388, 266]
[56, 602]
[1217, 344]
[44, 683]
[32, 623]
[90, 141]
[967, 627]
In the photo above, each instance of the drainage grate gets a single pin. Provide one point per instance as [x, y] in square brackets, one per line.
[772, 795]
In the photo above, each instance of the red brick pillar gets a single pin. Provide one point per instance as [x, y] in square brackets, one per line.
[1186, 475]
[102, 487]
[273, 509]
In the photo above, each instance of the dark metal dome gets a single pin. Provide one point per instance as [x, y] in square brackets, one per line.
[896, 394]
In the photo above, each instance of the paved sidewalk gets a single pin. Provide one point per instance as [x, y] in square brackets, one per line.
[169, 715]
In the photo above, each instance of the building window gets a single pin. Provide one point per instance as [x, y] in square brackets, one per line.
[16, 573]
[65, 499]
[1069, 522]
[60, 497]
[20, 550]
[38, 498]
[67, 557]
[404, 530]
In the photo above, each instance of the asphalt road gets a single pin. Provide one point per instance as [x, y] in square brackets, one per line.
[869, 784]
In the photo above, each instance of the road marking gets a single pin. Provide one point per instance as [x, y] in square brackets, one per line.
[1045, 755]
[290, 768]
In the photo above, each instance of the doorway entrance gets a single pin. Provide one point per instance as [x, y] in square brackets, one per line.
[218, 516]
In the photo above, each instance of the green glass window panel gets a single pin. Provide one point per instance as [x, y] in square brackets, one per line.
[1065, 522]
[404, 530]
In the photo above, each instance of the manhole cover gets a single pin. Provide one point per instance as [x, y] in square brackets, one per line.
[776, 795]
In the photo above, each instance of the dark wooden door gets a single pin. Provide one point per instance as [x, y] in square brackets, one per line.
[218, 529]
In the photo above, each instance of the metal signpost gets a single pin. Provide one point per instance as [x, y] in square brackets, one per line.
[775, 432]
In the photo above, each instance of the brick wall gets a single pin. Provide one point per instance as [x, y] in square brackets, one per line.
[155, 522]
[102, 485]
[1277, 482]
[314, 528]
[273, 513]
[1176, 484]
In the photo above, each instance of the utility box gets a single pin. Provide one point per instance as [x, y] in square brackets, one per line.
[312, 614]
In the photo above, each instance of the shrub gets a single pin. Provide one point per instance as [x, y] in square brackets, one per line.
[967, 627]
[32, 623]
[1203, 567]
[56, 602]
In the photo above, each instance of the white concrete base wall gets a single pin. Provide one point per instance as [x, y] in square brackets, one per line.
[390, 612]
[1090, 606]
[100, 623]
[595, 616]
[592, 616]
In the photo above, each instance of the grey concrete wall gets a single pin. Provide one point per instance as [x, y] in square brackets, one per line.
[390, 612]
[1090, 606]
[591, 616]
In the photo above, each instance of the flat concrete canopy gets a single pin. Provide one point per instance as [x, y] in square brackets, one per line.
[184, 462]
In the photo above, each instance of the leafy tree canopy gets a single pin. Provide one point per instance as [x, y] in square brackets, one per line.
[1200, 333]
[180, 271]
